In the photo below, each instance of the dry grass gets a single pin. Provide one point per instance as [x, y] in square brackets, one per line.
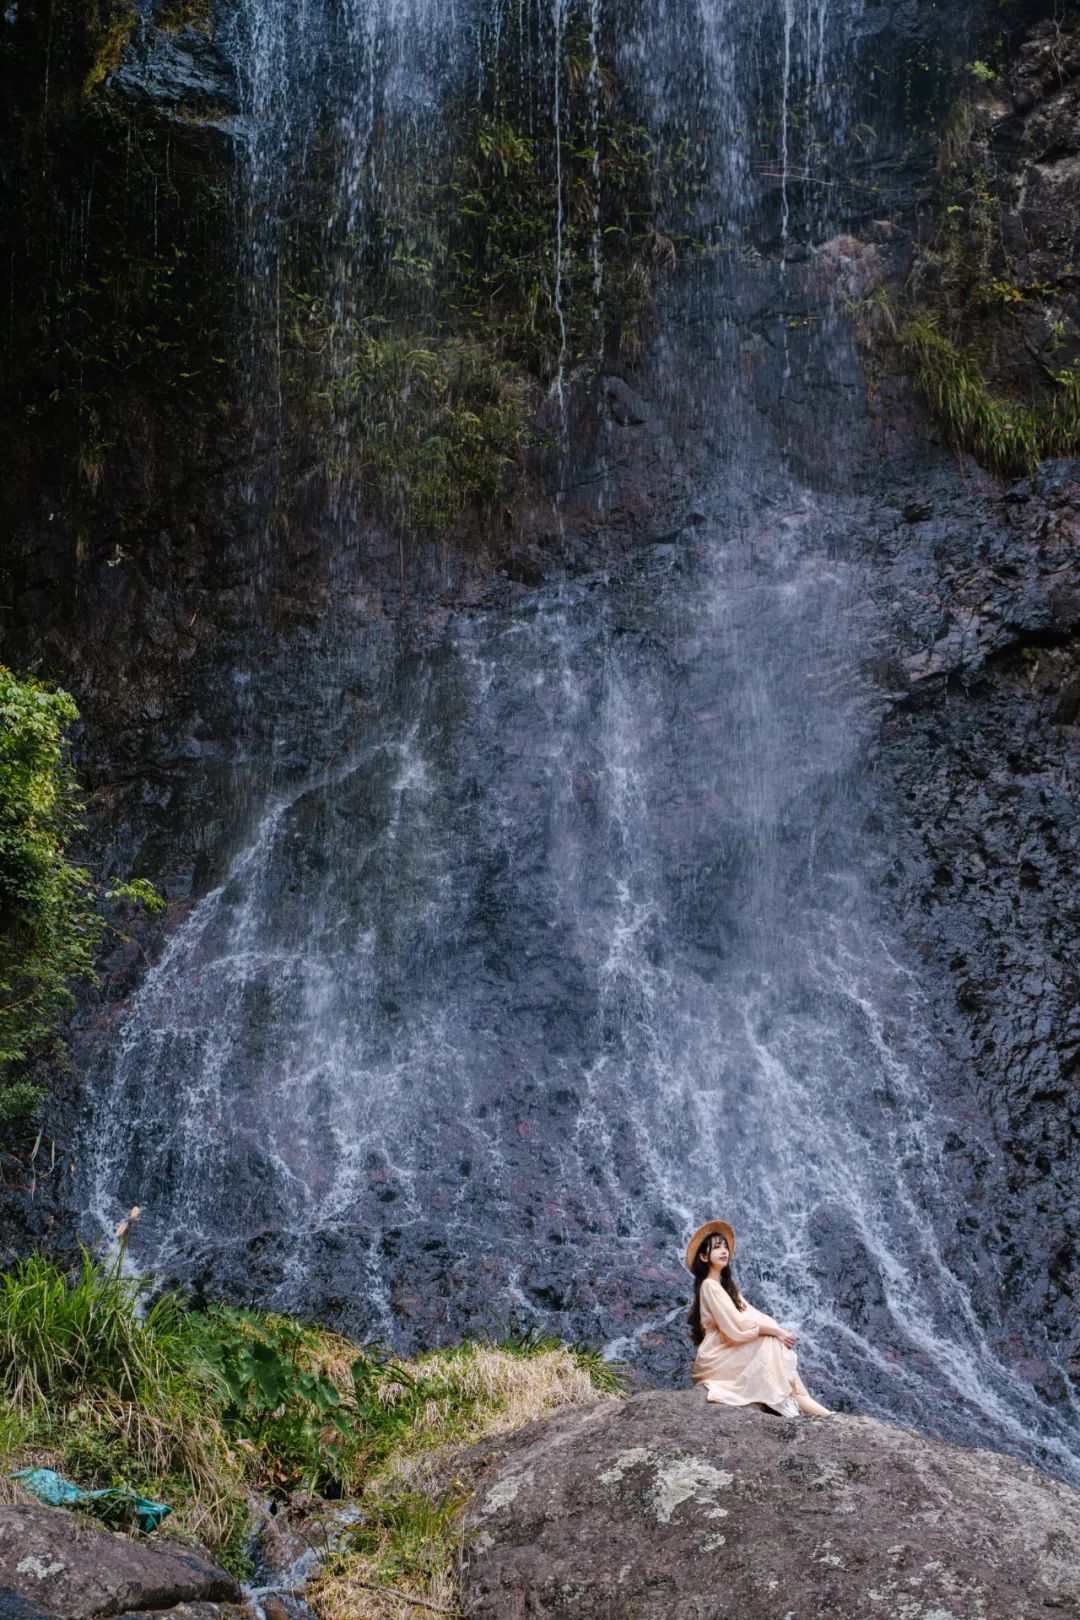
[510, 1389]
[410, 1539]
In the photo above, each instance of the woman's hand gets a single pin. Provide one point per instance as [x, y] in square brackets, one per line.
[787, 1339]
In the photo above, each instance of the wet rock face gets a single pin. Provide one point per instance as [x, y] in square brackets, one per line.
[1036, 155]
[665, 1506]
[1002, 246]
[145, 607]
[983, 747]
[180, 74]
[57, 1566]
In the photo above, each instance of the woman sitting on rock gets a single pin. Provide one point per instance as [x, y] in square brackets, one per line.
[744, 1358]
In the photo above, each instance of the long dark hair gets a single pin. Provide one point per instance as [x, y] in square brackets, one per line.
[727, 1283]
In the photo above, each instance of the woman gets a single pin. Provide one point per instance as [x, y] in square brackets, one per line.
[744, 1358]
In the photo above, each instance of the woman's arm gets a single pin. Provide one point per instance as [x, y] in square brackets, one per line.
[719, 1305]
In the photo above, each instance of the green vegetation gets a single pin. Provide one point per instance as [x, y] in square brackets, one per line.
[1008, 436]
[439, 425]
[111, 1397]
[409, 1537]
[963, 323]
[514, 249]
[200, 1409]
[49, 919]
[983, 73]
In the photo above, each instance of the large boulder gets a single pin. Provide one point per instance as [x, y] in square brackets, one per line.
[665, 1508]
[56, 1565]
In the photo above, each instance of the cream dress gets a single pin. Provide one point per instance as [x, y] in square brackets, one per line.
[735, 1365]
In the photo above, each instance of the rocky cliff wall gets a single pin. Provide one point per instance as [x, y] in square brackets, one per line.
[133, 521]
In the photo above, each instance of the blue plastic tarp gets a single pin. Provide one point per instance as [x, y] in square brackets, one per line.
[113, 1504]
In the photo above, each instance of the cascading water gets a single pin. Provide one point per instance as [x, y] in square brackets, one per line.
[558, 928]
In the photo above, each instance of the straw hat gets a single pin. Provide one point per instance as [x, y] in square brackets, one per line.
[707, 1231]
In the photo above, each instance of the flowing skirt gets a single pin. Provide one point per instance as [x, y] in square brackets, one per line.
[760, 1371]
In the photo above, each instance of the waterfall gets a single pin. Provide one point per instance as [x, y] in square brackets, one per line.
[559, 928]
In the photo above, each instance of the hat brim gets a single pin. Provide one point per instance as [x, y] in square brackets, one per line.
[707, 1231]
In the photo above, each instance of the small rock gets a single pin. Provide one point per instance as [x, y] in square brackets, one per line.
[627, 408]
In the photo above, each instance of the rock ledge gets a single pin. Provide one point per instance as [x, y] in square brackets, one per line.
[55, 1565]
[661, 1507]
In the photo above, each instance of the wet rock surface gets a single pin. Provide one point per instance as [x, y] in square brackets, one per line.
[1001, 247]
[55, 1565]
[982, 743]
[665, 1506]
[179, 73]
[969, 792]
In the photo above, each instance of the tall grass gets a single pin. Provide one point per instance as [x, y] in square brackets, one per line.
[61, 1336]
[105, 1385]
[1007, 435]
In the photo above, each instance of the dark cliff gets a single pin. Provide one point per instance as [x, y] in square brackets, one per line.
[165, 532]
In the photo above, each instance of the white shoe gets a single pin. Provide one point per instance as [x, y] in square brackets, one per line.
[788, 1407]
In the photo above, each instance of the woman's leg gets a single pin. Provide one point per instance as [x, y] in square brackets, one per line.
[806, 1402]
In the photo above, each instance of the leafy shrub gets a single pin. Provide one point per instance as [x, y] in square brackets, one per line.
[48, 927]
[273, 1396]
[49, 922]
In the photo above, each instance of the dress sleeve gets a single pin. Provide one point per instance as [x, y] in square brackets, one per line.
[720, 1307]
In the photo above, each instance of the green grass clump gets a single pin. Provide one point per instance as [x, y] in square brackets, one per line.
[1008, 436]
[107, 1387]
[65, 1336]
